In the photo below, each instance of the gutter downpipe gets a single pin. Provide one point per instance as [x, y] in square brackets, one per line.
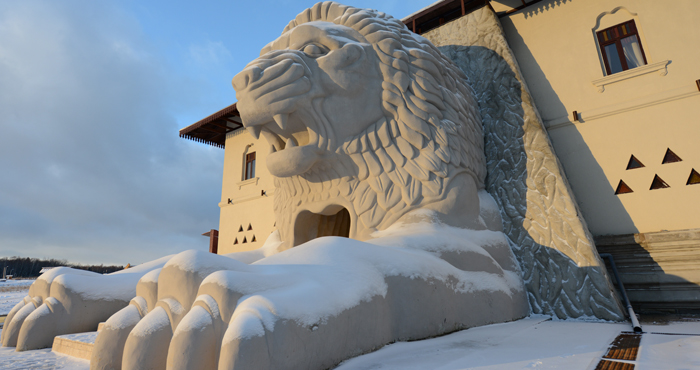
[635, 323]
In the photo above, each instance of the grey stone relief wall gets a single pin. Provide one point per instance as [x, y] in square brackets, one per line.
[563, 273]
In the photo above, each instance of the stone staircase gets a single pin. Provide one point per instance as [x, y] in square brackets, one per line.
[659, 269]
[78, 345]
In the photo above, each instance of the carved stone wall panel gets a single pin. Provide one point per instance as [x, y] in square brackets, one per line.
[563, 273]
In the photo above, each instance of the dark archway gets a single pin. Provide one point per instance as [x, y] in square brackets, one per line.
[310, 225]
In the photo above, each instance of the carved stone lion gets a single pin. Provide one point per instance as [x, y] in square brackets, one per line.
[376, 137]
[363, 115]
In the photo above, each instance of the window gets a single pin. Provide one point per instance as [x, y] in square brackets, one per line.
[249, 166]
[621, 48]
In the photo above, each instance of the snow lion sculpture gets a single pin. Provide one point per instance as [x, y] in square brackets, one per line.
[362, 115]
[376, 138]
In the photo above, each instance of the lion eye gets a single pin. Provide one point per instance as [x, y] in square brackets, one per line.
[313, 51]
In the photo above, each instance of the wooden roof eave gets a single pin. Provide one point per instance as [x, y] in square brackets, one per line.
[212, 130]
[434, 14]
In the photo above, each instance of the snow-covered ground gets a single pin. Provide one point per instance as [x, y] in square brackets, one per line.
[16, 283]
[39, 359]
[11, 292]
[670, 350]
[537, 343]
[531, 343]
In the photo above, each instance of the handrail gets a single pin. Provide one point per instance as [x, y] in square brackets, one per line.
[635, 323]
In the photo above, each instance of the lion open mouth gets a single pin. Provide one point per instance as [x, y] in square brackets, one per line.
[276, 101]
[293, 144]
[280, 137]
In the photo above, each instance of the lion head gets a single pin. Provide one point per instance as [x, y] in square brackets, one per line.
[366, 121]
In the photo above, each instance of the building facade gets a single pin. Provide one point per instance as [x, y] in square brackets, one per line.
[616, 86]
[643, 114]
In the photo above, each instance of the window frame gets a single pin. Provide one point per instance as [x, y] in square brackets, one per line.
[249, 169]
[617, 41]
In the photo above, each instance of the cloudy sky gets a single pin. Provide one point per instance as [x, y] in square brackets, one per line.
[92, 95]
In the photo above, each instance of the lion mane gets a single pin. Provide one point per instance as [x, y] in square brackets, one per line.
[431, 131]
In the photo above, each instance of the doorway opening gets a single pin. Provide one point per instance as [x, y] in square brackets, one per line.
[310, 225]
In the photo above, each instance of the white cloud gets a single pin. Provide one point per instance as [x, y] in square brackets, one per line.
[210, 53]
[92, 168]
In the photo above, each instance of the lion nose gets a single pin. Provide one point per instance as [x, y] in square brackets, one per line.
[246, 77]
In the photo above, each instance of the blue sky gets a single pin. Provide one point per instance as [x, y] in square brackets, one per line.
[92, 95]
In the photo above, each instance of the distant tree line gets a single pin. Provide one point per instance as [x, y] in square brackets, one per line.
[30, 267]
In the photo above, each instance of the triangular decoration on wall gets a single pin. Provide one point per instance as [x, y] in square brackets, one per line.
[240, 229]
[250, 227]
[244, 240]
[235, 241]
[670, 157]
[658, 183]
[622, 188]
[634, 163]
[252, 240]
[694, 177]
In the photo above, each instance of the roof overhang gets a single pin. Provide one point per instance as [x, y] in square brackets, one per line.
[441, 12]
[212, 130]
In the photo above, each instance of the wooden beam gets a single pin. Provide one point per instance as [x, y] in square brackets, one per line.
[213, 241]
[228, 129]
[238, 124]
[521, 7]
[217, 136]
[423, 20]
[210, 130]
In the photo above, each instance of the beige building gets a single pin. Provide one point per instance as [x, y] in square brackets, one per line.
[616, 85]
[246, 191]
[643, 111]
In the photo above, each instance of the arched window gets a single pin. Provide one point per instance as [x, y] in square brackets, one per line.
[249, 166]
[621, 47]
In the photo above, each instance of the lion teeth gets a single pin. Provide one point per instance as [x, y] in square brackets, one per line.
[281, 120]
[313, 137]
[255, 131]
[290, 143]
